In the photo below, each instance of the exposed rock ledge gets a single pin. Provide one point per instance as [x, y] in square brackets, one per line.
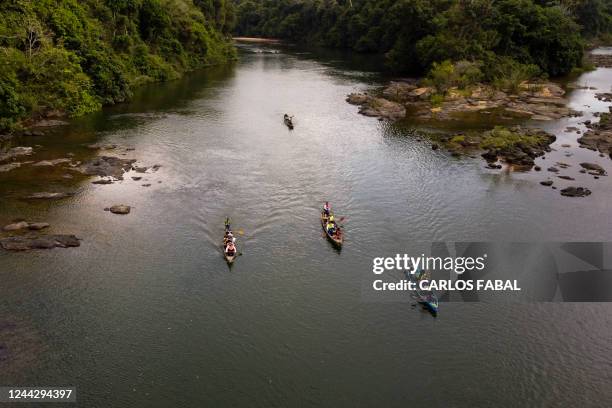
[538, 101]
[517, 146]
[107, 166]
[21, 225]
[599, 136]
[28, 242]
[15, 152]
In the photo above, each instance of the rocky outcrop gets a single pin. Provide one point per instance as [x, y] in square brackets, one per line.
[516, 145]
[604, 97]
[377, 107]
[599, 136]
[28, 242]
[107, 166]
[593, 169]
[37, 226]
[22, 225]
[537, 101]
[51, 163]
[120, 209]
[15, 152]
[103, 181]
[10, 166]
[49, 196]
[575, 192]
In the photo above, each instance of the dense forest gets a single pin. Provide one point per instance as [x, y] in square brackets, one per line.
[501, 37]
[71, 57]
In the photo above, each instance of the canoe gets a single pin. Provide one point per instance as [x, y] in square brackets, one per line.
[336, 241]
[429, 303]
[289, 123]
[425, 298]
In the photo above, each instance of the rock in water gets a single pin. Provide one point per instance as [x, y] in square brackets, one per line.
[37, 226]
[16, 226]
[15, 152]
[575, 192]
[546, 183]
[34, 226]
[103, 181]
[357, 99]
[49, 196]
[120, 209]
[594, 168]
[51, 163]
[107, 166]
[8, 167]
[28, 242]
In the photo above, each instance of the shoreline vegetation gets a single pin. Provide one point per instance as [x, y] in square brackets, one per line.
[547, 38]
[67, 58]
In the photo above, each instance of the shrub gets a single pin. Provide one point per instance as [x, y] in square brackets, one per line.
[437, 99]
[441, 76]
[445, 75]
[508, 75]
[502, 138]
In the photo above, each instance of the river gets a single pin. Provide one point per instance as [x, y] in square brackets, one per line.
[147, 313]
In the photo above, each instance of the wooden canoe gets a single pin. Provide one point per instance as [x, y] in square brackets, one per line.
[334, 239]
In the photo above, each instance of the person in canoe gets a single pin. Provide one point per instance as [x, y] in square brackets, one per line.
[331, 228]
[229, 237]
[326, 209]
[338, 234]
[288, 121]
[230, 249]
[228, 225]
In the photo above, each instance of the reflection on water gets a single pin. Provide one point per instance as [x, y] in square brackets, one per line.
[146, 312]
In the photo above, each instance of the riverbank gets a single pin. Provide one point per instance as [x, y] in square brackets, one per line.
[86, 55]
